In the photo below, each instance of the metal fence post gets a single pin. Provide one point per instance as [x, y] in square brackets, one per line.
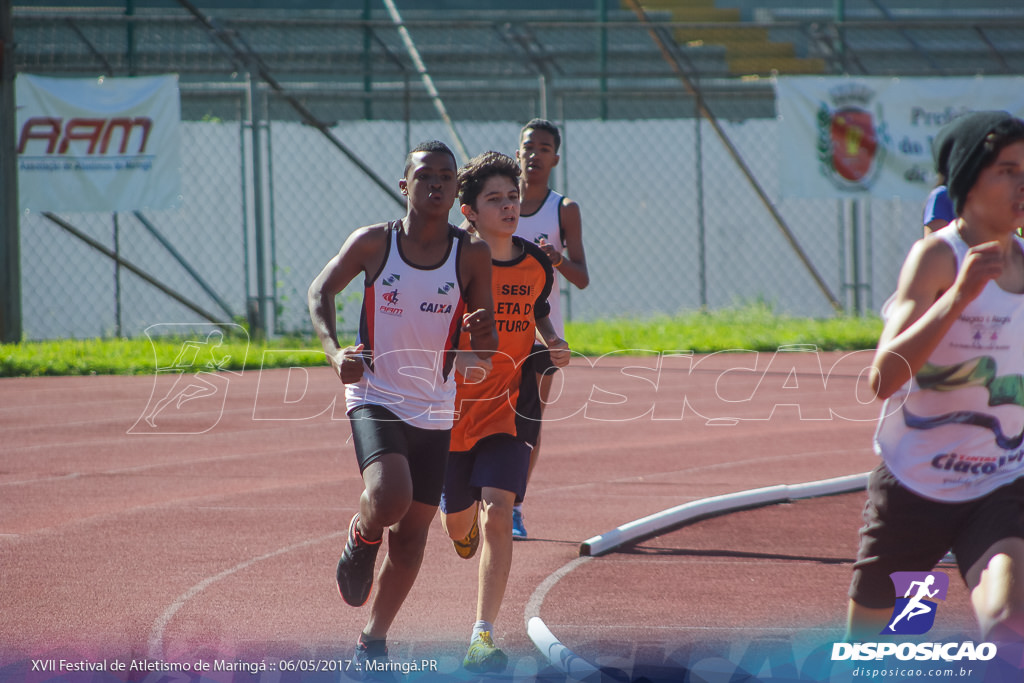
[10, 252]
[259, 327]
[858, 308]
[702, 253]
[118, 327]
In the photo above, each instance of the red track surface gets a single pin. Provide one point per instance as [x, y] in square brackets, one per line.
[214, 532]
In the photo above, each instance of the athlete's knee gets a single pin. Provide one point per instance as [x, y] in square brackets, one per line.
[388, 492]
[386, 506]
[496, 518]
[999, 597]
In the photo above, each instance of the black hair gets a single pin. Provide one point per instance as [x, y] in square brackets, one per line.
[428, 146]
[545, 125]
[477, 170]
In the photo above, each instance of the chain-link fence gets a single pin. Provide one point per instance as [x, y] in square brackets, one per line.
[295, 127]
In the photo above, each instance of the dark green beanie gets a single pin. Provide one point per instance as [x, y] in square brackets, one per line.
[963, 139]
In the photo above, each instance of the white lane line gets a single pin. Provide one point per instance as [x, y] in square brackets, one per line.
[155, 644]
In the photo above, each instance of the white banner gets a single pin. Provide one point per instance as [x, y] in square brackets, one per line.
[107, 144]
[856, 137]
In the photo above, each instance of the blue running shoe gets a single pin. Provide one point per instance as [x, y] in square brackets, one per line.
[518, 528]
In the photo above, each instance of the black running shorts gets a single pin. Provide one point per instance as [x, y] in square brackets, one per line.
[905, 532]
[376, 431]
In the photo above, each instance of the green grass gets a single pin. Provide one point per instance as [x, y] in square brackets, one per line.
[752, 328]
[143, 357]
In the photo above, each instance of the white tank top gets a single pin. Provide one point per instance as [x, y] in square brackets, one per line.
[954, 432]
[546, 223]
[410, 324]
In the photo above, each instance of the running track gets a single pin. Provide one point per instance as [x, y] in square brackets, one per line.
[211, 532]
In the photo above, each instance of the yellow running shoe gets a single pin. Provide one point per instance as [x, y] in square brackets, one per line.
[466, 548]
[483, 657]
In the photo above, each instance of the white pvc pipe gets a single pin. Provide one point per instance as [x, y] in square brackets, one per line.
[651, 524]
[571, 664]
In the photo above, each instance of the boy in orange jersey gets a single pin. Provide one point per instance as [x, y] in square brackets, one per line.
[498, 416]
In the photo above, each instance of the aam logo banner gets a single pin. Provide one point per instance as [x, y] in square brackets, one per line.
[916, 596]
[98, 144]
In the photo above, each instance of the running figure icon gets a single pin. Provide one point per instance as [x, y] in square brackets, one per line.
[916, 605]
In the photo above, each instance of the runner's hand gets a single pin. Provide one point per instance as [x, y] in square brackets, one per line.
[548, 249]
[480, 321]
[982, 263]
[349, 363]
[558, 349]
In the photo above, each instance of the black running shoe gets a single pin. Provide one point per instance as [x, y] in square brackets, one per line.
[355, 568]
[371, 662]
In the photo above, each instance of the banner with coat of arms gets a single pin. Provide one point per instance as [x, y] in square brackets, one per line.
[851, 137]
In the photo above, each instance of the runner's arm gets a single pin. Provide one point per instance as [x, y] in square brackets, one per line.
[362, 249]
[574, 265]
[929, 297]
[478, 322]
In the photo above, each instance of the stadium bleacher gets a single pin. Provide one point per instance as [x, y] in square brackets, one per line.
[320, 48]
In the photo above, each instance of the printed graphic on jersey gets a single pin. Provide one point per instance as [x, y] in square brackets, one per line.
[434, 307]
[513, 309]
[390, 280]
[391, 305]
[977, 372]
[916, 592]
[986, 332]
[447, 288]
